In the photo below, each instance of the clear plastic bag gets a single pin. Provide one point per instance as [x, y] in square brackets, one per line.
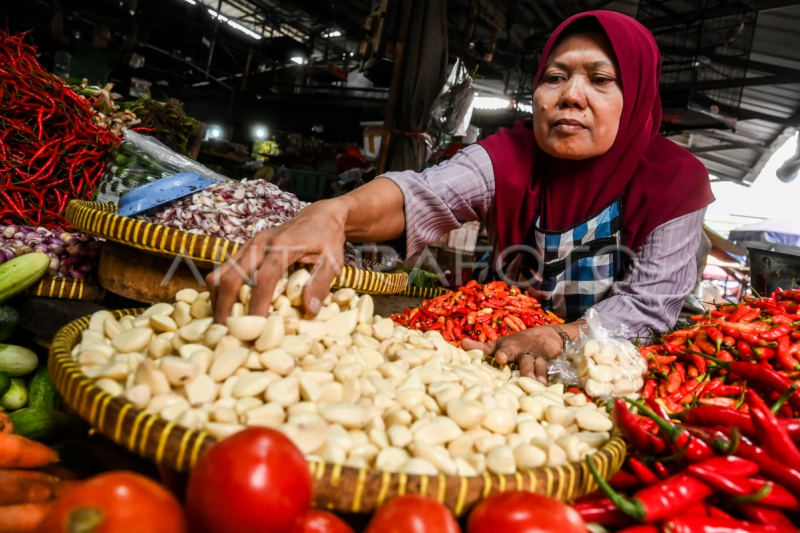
[453, 104]
[139, 160]
[602, 362]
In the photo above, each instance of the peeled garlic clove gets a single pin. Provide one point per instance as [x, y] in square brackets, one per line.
[139, 395]
[178, 370]
[227, 363]
[500, 460]
[246, 328]
[132, 340]
[195, 330]
[252, 384]
[440, 430]
[200, 390]
[468, 414]
[593, 420]
[295, 284]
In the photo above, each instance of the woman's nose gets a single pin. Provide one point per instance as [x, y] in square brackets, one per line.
[573, 93]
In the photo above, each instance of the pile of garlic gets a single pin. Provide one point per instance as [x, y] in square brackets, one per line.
[613, 369]
[346, 386]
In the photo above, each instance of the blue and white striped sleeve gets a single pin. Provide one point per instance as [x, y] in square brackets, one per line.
[665, 271]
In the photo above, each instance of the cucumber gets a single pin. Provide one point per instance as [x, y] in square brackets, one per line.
[39, 424]
[16, 397]
[41, 391]
[20, 273]
[5, 382]
[16, 360]
[9, 318]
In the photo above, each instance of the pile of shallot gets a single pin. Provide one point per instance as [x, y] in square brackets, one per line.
[231, 210]
[72, 255]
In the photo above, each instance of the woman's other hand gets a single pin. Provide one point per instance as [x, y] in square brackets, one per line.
[530, 349]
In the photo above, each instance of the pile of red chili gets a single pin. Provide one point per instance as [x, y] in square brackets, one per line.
[738, 473]
[713, 443]
[754, 344]
[480, 312]
[50, 149]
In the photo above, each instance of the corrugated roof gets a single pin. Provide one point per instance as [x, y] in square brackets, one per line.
[753, 140]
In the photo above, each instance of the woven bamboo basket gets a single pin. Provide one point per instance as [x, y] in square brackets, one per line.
[426, 293]
[336, 487]
[66, 289]
[100, 219]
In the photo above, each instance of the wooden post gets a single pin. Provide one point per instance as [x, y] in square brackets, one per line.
[394, 88]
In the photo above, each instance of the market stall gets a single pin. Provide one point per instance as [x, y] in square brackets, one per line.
[125, 407]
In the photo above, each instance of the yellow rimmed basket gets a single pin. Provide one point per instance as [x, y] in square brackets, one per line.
[66, 289]
[336, 487]
[205, 251]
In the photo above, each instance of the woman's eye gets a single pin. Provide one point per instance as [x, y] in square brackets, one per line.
[602, 80]
[554, 78]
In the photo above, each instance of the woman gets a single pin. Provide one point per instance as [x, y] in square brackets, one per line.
[588, 175]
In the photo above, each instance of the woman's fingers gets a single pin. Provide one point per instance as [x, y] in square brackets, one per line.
[327, 267]
[540, 369]
[526, 364]
[469, 344]
[269, 272]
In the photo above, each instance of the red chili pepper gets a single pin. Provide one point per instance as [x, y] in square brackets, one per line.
[602, 512]
[639, 438]
[645, 475]
[761, 374]
[768, 517]
[686, 389]
[649, 389]
[770, 494]
[785, 359]
[752, 315]
[739, 313]
[745, 351]
[773, 437]
[729, 441]
[699, 524]
[715, 335]
[693, 450]
[658, 501]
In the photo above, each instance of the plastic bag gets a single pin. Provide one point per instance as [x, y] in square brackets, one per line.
[453, 104]
[602, 362]
[139, 160]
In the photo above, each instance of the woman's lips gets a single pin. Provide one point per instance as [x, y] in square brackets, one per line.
[568, 125]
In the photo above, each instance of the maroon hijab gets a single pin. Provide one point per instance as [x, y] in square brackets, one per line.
[657, 180]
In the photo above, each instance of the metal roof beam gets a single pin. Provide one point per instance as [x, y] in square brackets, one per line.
[754, 5]
[737, 137]
[725, 146]
[711, 85]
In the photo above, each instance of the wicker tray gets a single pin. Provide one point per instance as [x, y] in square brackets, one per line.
[336, 487]
[99, 219]
[426, 293]
[66, 289]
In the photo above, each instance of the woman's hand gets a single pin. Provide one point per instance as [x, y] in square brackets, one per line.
[531, 349]
[371, 213]
[316, 237]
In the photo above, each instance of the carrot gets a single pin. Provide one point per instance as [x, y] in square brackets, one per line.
[26, 517]
[19, 452]
[16, 489]
[6, 425]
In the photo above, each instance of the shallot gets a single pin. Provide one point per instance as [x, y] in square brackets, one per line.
[231, 210]
[72, 255]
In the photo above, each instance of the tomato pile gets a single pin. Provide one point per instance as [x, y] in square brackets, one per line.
[713, 443]
[479, 312]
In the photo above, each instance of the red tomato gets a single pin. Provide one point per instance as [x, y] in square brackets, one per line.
[116, 502]
[524, 512]
[254, 481]
[413, 514]
[322, 522]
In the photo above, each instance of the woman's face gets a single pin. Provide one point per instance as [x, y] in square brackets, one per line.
[578, 103]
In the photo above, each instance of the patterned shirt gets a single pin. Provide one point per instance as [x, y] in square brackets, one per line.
[441, 199]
